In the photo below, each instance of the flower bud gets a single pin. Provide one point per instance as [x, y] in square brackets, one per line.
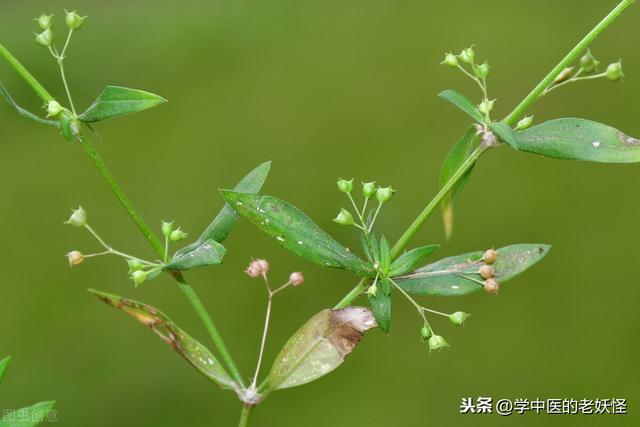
[614, 71]
[491, 285]
[368, 189]
[167, 228]
[75, 258]
[139, 277]
[296, 278]
[588, 64]
[44, 21]
[345, 186]
[482, 71]
[45, 38]
[177, 235]
[486, 106]
[459, 317]
[74, 21]
[525, 123]
[78, 218]
[486, 271]
[372, 291]
[490, 256]
[344, 217]
[258, 267]
[564, 75]
[436, 342]
[384, 194]
[468, 55]
[53, 108]
[134, 265]
[425, 333]
[451, 60]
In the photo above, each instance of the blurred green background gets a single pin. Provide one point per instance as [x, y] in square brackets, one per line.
[324, 89]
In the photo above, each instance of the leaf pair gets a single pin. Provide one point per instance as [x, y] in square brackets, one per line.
[207, 250]
[458, 275]
[25, 417]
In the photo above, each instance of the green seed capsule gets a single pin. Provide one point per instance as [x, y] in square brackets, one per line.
[486, 106]
[436, 342]
[384, 194]
[482, 71]
[458, 318]
[45, 38]
[524, 123]
[53, 108]
[451, 60]
[467, 55]
[177, 235]
[425, 333]
[344, 218]
[345, 186]
[368, 189]
[44, 21]
[139, 277]
[134, 265]
[614, 71]
[588, 64]
[78, 217]
[167, 228]
[74, 21]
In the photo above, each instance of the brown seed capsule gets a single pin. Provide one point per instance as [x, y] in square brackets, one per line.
[492, 286]
[490, 256]
[75, 258]
[486, 271]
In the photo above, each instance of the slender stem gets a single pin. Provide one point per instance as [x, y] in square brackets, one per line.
[66, 85]
[375, 216]
[431, 207]
[573, 55]
[265, 332]
[25, 74]
[245, 415]
[186, 289]
[352, 295]
[66, 43]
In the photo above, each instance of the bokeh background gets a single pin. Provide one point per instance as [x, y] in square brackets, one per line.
[324, 89]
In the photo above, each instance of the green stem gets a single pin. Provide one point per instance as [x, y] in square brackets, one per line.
[572, 56]
[245, 415]
[25, 74]
[433, 204]
[186, 289]
[352, 295]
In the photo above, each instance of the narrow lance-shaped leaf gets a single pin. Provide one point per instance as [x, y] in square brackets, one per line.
[24, 113]
[209, 252]
[293, 230]
[458, 275]
[319, 346]
[4, 365]
[381, 308]
[451, 164]
[193, 352]
[222, 224]
[117, 101]
[410, 260]
[579, 139]
[28, 417]
[463, 104]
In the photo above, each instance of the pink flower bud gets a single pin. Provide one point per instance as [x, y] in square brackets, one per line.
[258, 267]
[296, 278]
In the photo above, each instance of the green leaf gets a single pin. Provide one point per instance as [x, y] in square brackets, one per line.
[505, 134]
[579, 139]
[410, 260]
[463, 104]
[458, 275]
[4, 365]
[208, 253]
[456, 157]
[117, 101]
[28, 417]
[65, 126]
[24, 113]
[191, 350]
[319, 346]
[294, 231]
[222, 224]
[381, 307]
